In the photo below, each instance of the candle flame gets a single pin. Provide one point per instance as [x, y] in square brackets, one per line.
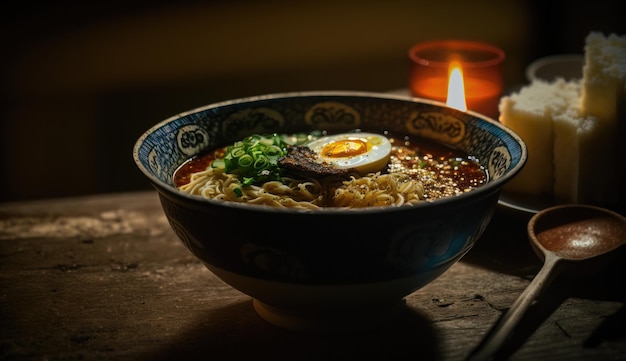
[456, 87]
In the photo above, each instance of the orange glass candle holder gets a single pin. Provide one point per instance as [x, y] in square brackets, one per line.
[481, 66]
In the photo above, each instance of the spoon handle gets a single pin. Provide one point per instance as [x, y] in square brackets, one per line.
[506, 324]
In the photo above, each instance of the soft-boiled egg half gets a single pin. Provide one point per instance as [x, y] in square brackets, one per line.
[365, 152]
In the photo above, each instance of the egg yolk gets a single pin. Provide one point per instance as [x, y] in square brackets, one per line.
[344, 148]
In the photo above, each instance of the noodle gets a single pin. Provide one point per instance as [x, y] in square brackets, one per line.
[393, 189]
[375, 189]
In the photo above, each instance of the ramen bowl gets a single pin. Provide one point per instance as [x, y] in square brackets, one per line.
[330, 268]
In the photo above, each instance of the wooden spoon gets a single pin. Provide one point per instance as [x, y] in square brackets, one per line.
[562, 233]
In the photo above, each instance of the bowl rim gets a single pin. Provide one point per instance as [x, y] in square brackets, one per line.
[480, 192]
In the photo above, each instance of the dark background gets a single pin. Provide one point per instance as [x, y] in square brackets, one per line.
[80, 81]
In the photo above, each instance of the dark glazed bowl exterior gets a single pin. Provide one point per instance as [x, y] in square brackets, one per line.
[329, 258]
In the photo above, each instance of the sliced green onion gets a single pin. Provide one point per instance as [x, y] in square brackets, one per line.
[261, 163]
[256, 154]
[237, 152]
[252, 139]
[219, 163]
[273, 151]
[267, 141]
[255, 158]
[245, 161]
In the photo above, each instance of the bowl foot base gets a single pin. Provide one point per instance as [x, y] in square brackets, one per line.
[329, 322]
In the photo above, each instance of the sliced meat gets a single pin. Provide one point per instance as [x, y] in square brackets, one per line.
[302, 160]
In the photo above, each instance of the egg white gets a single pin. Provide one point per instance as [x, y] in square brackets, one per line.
[373, 160]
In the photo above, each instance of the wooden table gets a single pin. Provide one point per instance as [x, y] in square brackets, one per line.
[105, 278]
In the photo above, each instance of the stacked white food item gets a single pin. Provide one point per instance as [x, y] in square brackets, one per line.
[575, 130]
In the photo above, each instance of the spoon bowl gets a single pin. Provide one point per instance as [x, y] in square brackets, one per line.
[576, 232]
[565, 233]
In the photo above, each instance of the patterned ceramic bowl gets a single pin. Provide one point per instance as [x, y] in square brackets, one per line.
[329, 267]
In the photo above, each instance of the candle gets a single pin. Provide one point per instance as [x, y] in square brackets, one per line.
[479, 66]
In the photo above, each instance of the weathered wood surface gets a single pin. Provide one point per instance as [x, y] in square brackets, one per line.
[104, 278]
